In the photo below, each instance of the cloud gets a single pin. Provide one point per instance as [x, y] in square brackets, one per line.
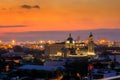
[36, 6]
[26, 6]
[12, 26]
[3, 9]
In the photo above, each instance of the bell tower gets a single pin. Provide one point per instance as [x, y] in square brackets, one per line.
[91, 44]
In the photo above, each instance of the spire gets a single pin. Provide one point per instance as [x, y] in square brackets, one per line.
[70, 39]
[70, 35]
[90, 34]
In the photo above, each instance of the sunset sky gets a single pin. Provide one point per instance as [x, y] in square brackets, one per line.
[62, 15]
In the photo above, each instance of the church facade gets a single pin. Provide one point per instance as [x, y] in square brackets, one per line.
[71, 48]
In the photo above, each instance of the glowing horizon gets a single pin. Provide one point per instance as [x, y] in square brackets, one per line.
[58, 15]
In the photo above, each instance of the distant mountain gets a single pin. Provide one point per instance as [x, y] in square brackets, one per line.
[111, 34]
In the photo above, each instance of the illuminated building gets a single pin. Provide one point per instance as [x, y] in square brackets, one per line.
[71, 48]
[91, 45]
[105, 42]
[54, 49]
[116, 44]
[70, 43]
[75, 48]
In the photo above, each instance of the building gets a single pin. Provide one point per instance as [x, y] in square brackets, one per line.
[116, 44]
[70, 43]
[54, 49]
[91, 45]
[71, 48]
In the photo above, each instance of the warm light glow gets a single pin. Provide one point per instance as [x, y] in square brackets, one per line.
[73, 41]
[68, 42]
[56, 15]
[91, 53]
[42, 42]
[10, 46]
[51, 42]
[59, 54]
[86, 41]
[102, 41]
[0, 41]
[78, 75]
[16, 61]
[41, 46]
[7, 68]
[13, 41]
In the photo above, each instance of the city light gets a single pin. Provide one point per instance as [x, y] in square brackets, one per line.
[67, 41]
[0, 41]
[13, 42]
[91, 53]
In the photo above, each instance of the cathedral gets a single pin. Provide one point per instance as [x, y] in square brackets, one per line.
[76, 48]
[71, 48]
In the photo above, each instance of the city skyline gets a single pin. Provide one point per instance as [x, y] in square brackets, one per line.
[24, 16]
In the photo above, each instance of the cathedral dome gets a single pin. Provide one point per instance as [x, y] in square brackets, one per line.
[70, 39]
